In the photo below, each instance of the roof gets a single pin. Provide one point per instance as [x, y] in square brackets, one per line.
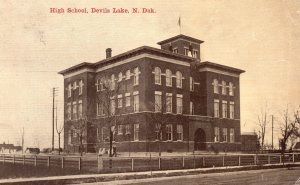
[128, 54]
[219, 66]
[181, 36]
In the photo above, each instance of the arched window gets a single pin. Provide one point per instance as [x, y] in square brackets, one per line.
[120, 77]
[113, 83]
[178, 79]
[216, 86]
[169, 78]
[230, 88]
[157, 74]
[224, 88]
[127, 74]
[136, 76]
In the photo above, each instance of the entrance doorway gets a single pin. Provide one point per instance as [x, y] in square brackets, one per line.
[200, 139]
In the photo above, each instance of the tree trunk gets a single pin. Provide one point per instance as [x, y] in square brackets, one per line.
[59, 144]
[110, 143]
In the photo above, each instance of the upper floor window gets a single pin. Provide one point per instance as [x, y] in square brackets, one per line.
[127, 129]
[69, 111]
[69, 90]
[80, 87]
[158, 135]
[120, 76]
[230, 88]
[224, 87]
[100, 109]
[120, 129]
[231, 137]
[179, 103]
[231, 110]
[113, 83]
[112, 106]
[175, 50]
[120, 101]
[191, 108]
[70, 137]
[157, 75]
[169, 102]
[186, 51]
[216, 108]
[74, 85]
[74, 110]
[225, 134]
[136, 76]
[127, 99]
[217, 134]
[169, 131]
[169, 78]
[178, 79]
[179, 132]
[158, 101]
[80, 109]
[216, 86]
[128, 74]
[136, 102]
[195, 54]
[136, 131]
[191, 83]
[98, 85]
[224, 109]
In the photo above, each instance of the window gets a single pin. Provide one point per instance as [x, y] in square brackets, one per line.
[224, 109]
[80, 109]
[158, 135]
[232, 135]
[98, 133]
[225, 135]
[224, 87]
[216, 86]
[69, 90]
[179, 103]
[191, 108]
[175, 50]
[113, 83]
[74, 85]
[169, 131]
[127, 129]
[157, 75]
[179, 132]
[191, 84]
[120, 101]
[168, 78]
[100, 109]
[127, 99]
[74, 110]
[112, 106]
[120, 129]
[186, 51]
[98, 85]
[80, 87]
[169, 102]
[136, 76]
[231, 110]
[216, 108]
[178, 79]
[195, 54]
[103, 133]
[158, 105]
[128, 74]
[136, 130]
[120, 76]
[70, 137]
[69, 111]
[230, 88]
[136, 101]
[217, 134]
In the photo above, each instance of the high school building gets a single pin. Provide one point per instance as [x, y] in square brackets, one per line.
[154, 99]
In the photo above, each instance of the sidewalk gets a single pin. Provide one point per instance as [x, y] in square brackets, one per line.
[76, 179]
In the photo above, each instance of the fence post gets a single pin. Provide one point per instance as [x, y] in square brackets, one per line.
[182, 161]
[62, 162]
[293, 158]
[159, 163]
[194, 162]
[280, 159]
[35, 160]
[48, 162]
[203, 161]
[79, 163]
[13, 159]
[239, 160]
[23, 159]
[3, 158]
[269, 160]
[131, 164]
[223, 160]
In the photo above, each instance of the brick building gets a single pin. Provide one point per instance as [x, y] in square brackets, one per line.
[166, 98]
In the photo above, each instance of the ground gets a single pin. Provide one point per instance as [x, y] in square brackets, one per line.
[281, 176]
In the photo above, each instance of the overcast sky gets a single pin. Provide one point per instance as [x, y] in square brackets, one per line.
[260, 37]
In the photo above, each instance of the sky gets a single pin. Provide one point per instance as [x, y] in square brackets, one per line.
[261, 37]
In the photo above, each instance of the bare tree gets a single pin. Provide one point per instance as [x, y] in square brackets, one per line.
[262, 124]
[107, 101]
[59, 130]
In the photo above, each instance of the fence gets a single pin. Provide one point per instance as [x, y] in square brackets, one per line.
[92, 164]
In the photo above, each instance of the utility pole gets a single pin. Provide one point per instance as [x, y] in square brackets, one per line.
[22, 140]
[272, 132]
[53, 102]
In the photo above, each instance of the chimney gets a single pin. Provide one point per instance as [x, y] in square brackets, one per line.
[108, 52]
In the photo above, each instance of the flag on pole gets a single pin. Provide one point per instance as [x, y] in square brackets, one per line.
[179, 22]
